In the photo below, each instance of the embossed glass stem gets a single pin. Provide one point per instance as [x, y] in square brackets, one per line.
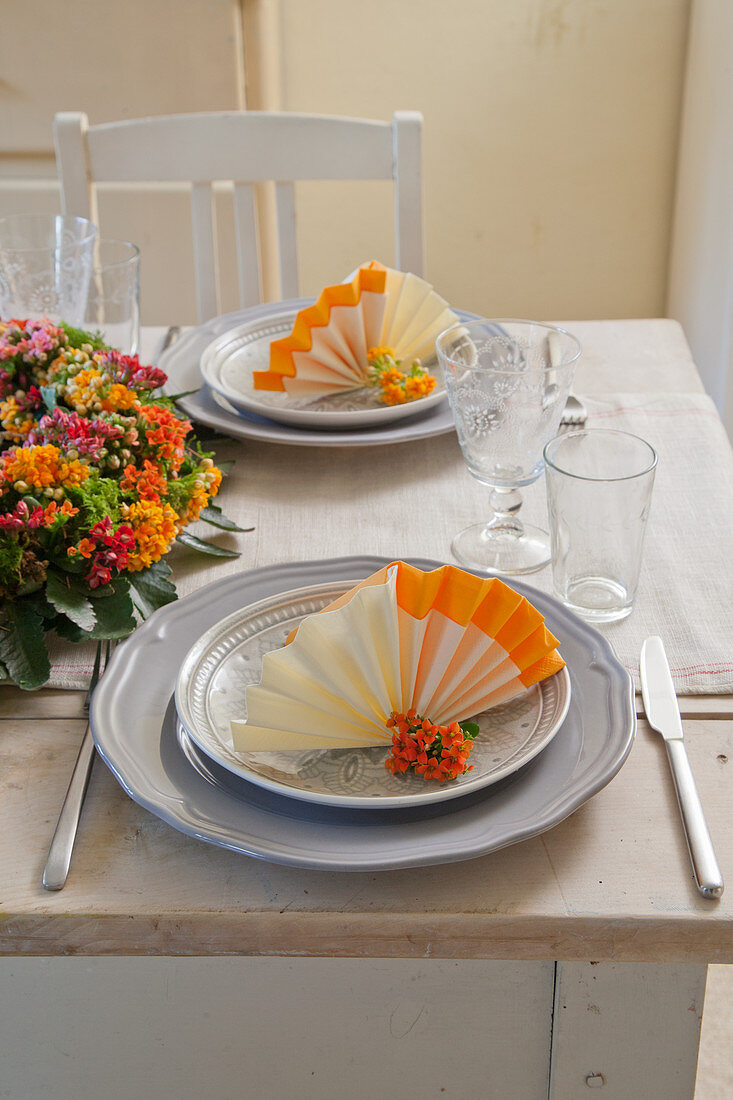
[506, 503]
[507, 383]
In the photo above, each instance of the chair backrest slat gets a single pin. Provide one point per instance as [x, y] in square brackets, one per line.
[248, 245]
[408, 191]
[78, 196]
[204, 249]
[246, 148]
[244, 145]
[287, 246]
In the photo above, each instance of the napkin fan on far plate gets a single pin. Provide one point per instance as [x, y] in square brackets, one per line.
[326, 352]
[445, 643]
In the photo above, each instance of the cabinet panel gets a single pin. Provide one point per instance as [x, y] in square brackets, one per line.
[319, 1029]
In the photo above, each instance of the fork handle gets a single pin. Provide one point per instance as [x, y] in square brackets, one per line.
[62, 845]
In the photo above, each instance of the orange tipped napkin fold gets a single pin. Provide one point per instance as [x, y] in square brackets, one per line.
[327, 350]
[445, 643]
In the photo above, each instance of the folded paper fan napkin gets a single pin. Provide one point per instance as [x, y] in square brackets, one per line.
[446, 644]
[327, 350]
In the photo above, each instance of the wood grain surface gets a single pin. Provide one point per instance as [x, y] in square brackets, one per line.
[613, 882]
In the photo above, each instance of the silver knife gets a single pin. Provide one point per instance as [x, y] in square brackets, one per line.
[663, 712]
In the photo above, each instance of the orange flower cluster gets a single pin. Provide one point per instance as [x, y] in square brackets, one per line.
[15, 419]
[91, 390]
[54, 513]
[148, 483]
[205, 487]
[154, 527]
[434, 752]
[166, 433]
[398, 387]
[375, 354]
[40, 467]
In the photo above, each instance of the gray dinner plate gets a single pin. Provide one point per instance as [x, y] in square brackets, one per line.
[229, 363]
[181, 362]
[134, 724]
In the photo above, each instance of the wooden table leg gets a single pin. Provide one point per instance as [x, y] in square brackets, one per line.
[631, 1029]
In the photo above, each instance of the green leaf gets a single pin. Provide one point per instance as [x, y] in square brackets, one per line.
[70, 631]
[48, 393]
[114, 611]
[69, 595]
[181, 393]
[214, 515]
[206, 547]
[23, 645]
[226, 466]
[470, 729]
[151, 589]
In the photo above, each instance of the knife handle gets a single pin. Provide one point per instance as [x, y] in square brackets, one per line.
[704, 863]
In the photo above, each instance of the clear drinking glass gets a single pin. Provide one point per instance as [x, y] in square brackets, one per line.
[45, 266]
[113, 304]
[507, 382]
[599, 487]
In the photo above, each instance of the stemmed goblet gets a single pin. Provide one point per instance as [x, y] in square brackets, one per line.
[507, 383]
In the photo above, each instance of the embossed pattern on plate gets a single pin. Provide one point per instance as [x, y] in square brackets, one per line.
[229, 360]
[210, 691]
[133, 720]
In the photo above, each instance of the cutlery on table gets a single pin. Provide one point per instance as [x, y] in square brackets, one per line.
[575, 413]
[62, 845]
[170, 337]
[663, 713]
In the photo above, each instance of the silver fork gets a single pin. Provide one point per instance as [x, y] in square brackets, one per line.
[574, 414]
[56, 870]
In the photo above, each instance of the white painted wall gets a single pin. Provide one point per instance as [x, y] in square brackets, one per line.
[550, 142]
[701, 262]
[550, 132]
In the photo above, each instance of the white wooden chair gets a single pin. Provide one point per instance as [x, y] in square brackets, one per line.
[245, 147]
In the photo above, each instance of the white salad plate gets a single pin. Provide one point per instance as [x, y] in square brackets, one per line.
[210, 691]
[134, 723]
[182, 363]
[229, 361]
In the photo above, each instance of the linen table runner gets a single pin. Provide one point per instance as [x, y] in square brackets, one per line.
[686, 587]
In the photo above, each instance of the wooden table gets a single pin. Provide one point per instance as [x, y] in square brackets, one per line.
[576, 959]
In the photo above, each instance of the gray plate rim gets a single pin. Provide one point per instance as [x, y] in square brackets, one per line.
[150, 766]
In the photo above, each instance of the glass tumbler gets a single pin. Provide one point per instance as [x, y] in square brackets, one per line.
[45, 266]
[113, 304]
[599, 488]
[507, 383]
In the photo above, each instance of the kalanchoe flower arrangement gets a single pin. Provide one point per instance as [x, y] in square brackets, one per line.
[98, 476]
[398, 385]
[434, 752]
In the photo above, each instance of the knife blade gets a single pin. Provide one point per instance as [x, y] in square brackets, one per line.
[663, 713]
